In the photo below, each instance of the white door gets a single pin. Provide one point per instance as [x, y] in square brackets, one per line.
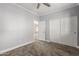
[69, 30]
[64, 30]
[55, 30]
[74, 18]
[41, 30]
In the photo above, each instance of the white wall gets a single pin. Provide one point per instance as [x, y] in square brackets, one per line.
[16, 26]
[62, 26]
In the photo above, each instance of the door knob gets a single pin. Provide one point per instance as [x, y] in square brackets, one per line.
[74, 32]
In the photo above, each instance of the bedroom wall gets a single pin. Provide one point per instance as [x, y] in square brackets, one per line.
[61, 26]
[16, 26]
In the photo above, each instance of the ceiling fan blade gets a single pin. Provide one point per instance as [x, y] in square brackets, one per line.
[47, 4]
[38, 5]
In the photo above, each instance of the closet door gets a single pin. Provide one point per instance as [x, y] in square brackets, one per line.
[69, 30]
[63, 30]
[74, 30]
[55, 29]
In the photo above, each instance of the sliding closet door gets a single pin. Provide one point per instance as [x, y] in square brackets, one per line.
[55, 30]
[63, 30]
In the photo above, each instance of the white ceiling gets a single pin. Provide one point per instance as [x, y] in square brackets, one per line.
[43, 10]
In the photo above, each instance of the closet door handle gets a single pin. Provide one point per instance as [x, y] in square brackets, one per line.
[74, 32]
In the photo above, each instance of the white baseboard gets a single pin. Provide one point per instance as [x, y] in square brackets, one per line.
[61, 43]
[46, 40]
[77, 47]
[9, 49]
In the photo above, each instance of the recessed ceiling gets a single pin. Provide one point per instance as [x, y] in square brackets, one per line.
[44, 10]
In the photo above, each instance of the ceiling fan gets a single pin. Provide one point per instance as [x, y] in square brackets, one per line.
[46, 4]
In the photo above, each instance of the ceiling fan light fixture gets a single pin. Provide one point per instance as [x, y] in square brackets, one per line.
[46, 4]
